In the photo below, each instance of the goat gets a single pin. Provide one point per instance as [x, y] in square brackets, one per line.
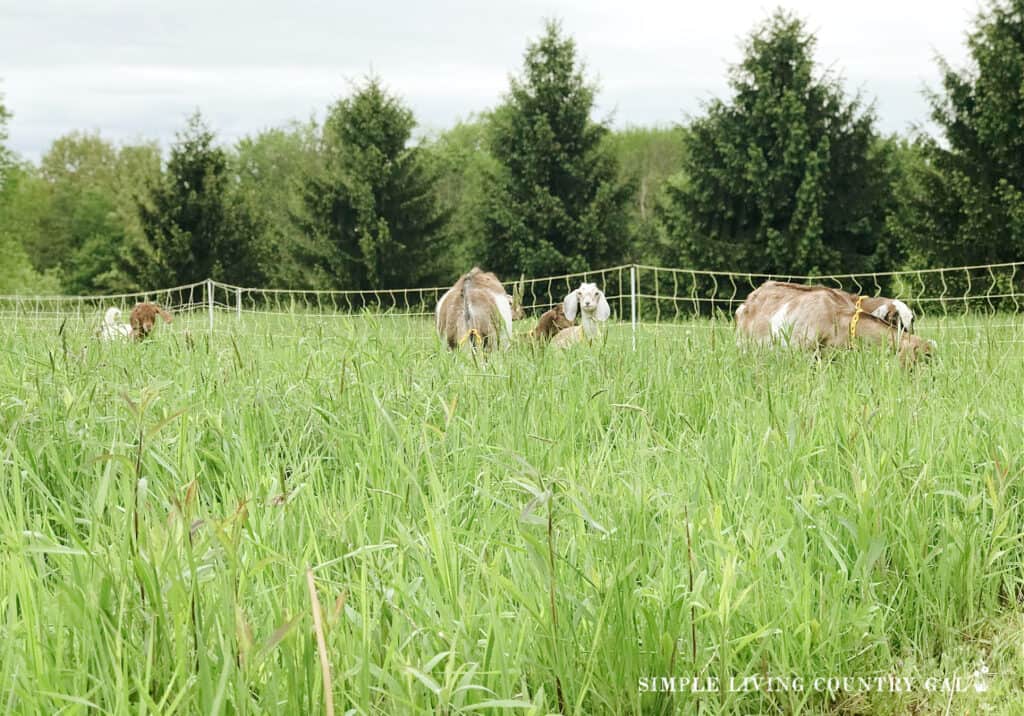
[476, 309]
[550, 323]
[112, 328]
[817, 316]
[891, 310]
[593, 307]
[143, 319]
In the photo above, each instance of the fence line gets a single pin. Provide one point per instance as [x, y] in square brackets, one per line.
[639, 294]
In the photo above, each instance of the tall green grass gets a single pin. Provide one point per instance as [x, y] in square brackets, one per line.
[533, 533]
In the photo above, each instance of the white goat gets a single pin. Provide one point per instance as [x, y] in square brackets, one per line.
[593, 307]
[112, 329]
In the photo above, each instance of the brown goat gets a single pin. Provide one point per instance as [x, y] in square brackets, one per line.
[143, 319]
[476, 310]
[550, 323]
[815, 317]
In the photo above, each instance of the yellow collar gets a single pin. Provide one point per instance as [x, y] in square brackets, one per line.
[856, 318]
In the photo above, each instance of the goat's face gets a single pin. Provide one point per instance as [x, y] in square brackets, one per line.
[112, 316]
[916, 349]
[589, 300]
[896, 313]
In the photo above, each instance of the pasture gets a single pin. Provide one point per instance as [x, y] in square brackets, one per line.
[538, 532]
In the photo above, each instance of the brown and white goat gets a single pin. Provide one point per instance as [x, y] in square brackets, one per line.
[891, 310]
[551, 322]
[476, 310]
[593, 307]
[814, 317]
[143, 319]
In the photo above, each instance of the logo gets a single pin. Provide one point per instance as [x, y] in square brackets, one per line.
[980, 677]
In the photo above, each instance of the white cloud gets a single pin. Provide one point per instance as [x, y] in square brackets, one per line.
[137, 69]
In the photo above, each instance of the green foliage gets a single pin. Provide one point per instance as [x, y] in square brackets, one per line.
[6, 156]
[23, 207]
[269, 170]
[463, 165]
[84, 232]
[647, 157]
[966, 199]
[371, 208]
[192, 229]
[784, 177]
[555, 203]
[17, 275]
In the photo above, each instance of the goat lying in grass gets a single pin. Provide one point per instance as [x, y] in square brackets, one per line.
[550, 323]
[593, 308]
[143, 319]
[112, 329]
[476, 310]
[814, 317]
[891, 310]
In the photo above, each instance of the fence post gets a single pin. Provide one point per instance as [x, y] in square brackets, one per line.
[209, 301]
[632, 301]
[238, 303]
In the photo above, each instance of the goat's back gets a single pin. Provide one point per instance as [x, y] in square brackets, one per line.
[794, 312]
[477, 302]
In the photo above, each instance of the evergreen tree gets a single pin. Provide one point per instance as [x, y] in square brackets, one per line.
[192, 229]
[555, 203]
[370, 209]
[965, 200]
[786, 177]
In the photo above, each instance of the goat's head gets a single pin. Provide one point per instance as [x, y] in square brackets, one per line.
[896, 313]
[558, 318]
[914, 349]
[112, 316]
[144, 317]
[589, 300]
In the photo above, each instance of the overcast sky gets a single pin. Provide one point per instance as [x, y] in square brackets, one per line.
[134, 69]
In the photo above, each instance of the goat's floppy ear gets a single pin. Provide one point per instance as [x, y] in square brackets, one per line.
[571, 305]
[603, 309]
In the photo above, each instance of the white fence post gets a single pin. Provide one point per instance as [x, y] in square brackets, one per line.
[209, 300]
[238, 303]
[632, 301]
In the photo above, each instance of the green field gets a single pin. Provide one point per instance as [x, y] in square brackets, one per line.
[540, 532]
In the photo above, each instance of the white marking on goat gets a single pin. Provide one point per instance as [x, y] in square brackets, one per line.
[779, 324]
[906, 315]
[505, 309]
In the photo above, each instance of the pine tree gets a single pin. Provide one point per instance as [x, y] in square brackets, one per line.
[965, 201]
[192, 228]
[371, 209]
[787, 176]
[555, 203]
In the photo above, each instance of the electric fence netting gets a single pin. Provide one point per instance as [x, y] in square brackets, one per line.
[951, 303]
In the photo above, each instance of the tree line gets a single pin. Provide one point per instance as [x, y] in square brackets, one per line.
[787, 174]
